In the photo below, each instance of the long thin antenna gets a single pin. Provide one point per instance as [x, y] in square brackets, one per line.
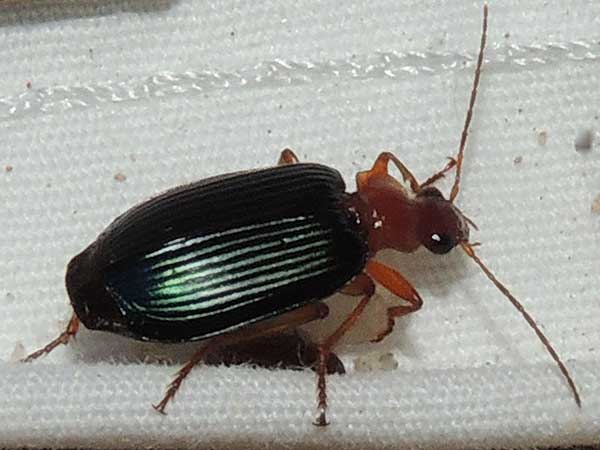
[465, 131]
[468, 248]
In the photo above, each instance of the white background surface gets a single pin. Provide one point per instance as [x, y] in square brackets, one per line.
[167, 92]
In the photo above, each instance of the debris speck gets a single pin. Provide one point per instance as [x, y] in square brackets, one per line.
[506, 35]
[18, 352]
[28, 85]
[542, 137]
[157, 359]
[120, 177]
[596, 205]
[8, 168]
[375, 361]
[518, 160]
[584, 140]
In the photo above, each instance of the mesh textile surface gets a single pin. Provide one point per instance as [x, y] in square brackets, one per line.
[128, 98]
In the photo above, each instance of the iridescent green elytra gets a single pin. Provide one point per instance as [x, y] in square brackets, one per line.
[219, 254]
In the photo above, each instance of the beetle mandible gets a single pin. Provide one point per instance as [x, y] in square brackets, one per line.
[251, 254]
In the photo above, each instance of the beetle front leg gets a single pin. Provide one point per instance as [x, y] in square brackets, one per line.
[63, 338]
[287, 157]
[394, 282]
[276, 325]
[361, 285]
[380, 170]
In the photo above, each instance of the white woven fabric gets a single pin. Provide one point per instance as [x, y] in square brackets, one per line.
[128, 98]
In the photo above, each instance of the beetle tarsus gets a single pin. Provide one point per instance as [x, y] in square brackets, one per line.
[321, 419]
[160, 408]
[62, 339]
[181, 375]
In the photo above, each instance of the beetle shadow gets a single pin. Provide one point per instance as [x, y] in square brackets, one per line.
[291, 350]
[94, 347]
[19, 12]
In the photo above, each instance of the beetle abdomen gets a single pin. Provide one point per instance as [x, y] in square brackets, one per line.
[245, 247]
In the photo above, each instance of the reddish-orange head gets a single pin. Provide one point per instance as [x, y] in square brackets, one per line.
[441, 225]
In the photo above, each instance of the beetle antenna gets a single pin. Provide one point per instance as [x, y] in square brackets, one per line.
[465, 131]
[468, 248]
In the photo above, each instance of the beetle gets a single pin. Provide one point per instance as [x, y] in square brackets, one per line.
[242, 256]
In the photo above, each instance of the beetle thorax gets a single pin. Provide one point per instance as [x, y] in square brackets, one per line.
[388, 215]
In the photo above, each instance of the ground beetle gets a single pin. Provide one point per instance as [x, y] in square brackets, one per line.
[251, 254]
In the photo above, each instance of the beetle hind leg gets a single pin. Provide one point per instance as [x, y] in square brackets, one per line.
[63, 338]
[287, 157]
[181, 375]
[273, 326]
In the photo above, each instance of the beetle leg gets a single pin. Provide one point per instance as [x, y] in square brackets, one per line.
[361, 285]
[441, 174]
[394, 282]
[63, 338]
[181, 375]
[276, 325]
[380, 169]
[287, 157]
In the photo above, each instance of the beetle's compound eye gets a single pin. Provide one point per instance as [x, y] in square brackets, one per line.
[440, 225]
[440, 243]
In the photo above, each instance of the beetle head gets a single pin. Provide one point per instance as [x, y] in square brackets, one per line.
[441, 224]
